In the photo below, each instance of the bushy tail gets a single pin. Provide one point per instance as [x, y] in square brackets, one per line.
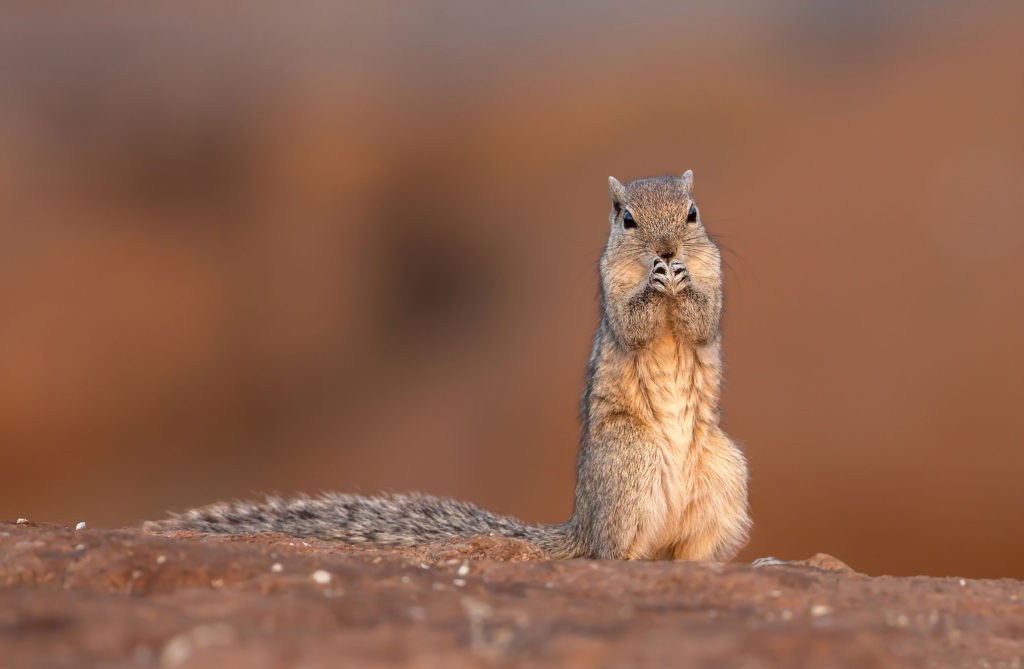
[387, 520]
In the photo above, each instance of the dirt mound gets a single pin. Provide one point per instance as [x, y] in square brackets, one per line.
[121, 597]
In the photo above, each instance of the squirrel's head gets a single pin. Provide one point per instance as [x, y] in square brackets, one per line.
[658, 217]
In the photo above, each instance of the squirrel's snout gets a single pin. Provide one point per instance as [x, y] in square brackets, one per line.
[666, 251]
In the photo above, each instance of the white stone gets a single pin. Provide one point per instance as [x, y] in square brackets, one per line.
[177, 651]
[819, 610]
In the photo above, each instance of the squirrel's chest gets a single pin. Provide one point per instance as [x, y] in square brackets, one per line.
[671, 386]
[678, 386]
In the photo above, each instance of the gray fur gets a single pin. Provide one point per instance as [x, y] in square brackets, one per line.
[385, 520]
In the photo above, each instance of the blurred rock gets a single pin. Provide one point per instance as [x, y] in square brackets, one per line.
[115, 597]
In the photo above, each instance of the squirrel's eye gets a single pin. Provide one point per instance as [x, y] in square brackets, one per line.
[692, 216]
[627, 221]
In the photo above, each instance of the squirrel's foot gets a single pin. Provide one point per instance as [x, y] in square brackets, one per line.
[669, 277]
[661, 277]
[680, 274]
[768, 562]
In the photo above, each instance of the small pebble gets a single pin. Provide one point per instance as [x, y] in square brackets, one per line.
[322, 577]
[463, 568]
[217, 583]
[160, 559]
[277, 567]
[786, 615]
[177, 651]
[21, 521]
[819, 610]
[80, 526]
[459, 582]
[80, 547]
[963, 583]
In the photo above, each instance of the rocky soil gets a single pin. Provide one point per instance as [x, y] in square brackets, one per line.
[124, 598]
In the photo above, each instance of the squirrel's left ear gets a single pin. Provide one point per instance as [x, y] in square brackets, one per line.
[687, 181]
[616, 190]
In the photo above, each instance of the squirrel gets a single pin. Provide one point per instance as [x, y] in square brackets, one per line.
[657, 478]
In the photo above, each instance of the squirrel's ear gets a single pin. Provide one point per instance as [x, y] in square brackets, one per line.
[616, 190]
[687, 181]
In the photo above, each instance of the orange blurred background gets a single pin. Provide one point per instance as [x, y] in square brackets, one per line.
[354, 248]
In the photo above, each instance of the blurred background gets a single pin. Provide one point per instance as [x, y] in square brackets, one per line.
[353, 246]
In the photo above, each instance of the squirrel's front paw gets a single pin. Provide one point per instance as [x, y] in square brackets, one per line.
[669, 277]
[661, 277]
[680, 275]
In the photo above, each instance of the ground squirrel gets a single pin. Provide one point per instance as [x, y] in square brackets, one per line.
[656, 476]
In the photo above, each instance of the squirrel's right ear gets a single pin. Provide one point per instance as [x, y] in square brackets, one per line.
[687, 181]
[616, 190]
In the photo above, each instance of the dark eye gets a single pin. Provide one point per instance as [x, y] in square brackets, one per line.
[627, 221]
[692, 216]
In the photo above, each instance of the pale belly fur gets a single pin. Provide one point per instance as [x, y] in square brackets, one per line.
[677, 393]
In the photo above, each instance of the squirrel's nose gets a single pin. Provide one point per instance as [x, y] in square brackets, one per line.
[666, 248]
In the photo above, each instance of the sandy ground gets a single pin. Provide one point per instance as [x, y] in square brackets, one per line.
[124, 598]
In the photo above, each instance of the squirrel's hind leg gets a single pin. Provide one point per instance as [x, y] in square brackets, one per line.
[716, 524]
[616, 509]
